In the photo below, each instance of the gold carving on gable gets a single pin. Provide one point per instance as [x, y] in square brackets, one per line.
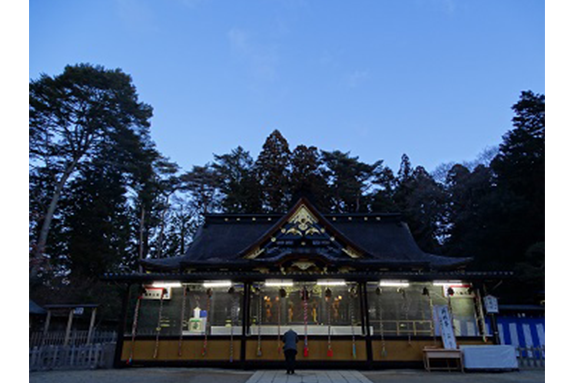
[303, 265]
[352, 252]
[303, 222]
[255, 253]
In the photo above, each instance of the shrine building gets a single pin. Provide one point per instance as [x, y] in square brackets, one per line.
[356, 288]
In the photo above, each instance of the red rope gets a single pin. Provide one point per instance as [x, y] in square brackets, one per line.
[329, 350]
[260, 314]
[279, 325]
[159, 328]
[305, 347]
[205, 347]
[182, 317]
[134, 328]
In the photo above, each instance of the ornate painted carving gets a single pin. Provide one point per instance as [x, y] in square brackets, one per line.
[351, 252]
[303, 265]
[303, 223]
[257, 251]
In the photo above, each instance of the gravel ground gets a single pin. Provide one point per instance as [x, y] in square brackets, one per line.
[198, 375]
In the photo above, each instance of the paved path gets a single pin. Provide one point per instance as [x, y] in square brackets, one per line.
[206, 375]
[308, 376]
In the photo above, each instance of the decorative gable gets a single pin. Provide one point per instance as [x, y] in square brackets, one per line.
[303, 232]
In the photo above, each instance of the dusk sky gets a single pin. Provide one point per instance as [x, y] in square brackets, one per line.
[431, 78]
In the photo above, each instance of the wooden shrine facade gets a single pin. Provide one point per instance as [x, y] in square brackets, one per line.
[355, 287]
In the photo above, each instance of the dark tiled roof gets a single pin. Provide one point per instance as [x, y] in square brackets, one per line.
[36, 308]
[386, 240]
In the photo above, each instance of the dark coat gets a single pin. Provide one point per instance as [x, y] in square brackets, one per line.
[290, 340]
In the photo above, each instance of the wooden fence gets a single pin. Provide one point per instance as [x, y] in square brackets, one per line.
[77, 338]
[71, 357]
[531, 357]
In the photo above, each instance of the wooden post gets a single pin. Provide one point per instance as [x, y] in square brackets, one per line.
[69, 327]
[495, 329]
[46, 325]
[245, 322]
[91, 329]
[365, 315]
[121, 327]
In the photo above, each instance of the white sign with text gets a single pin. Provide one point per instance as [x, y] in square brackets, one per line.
[446, 327]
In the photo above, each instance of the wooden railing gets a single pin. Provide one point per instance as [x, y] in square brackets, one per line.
[71, 357]
[404, 327]
[77, 338]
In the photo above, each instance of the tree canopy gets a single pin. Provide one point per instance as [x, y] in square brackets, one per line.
[102, 196]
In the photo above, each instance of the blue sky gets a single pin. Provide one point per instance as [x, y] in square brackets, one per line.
[431, 78]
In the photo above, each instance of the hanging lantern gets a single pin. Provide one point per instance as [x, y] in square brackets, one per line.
[353, 291]
[378, 291]
[450, 291]
[425, 291]
[328, 293]
[231, 290]
[209, 292]
[283, 292]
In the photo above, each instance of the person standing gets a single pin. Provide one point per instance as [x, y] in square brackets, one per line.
[290, 340]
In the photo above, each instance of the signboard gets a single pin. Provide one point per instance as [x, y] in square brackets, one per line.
[441, 313]
[78, 311]
[459, 291]
[491, 305]
[156, 292]
[197, 325]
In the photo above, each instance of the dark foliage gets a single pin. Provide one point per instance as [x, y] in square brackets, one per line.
[119, 200]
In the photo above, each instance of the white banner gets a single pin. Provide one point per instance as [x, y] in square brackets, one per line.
[446, 326]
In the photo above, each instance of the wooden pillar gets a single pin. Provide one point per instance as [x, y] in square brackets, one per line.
[121, 327]
[245, 321]
[365, 314]
[46, 325]
[69, 326]
[494, 328]
[91, 329]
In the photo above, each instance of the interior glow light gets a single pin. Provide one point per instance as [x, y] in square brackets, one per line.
[394, 283]
[217, 284]
[166, 284]
[447, 283]
[328, 282]
[278, 282]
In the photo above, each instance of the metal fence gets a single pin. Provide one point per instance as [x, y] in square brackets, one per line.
[77, 338]
[531, 357]
[71, 357]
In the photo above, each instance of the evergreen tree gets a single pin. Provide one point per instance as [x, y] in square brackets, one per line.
[519, 166]
[70, 116]
[422, 201]
[234, 173]
[201, 184]
[349, 180]
[471, 196]
[382, 199]
[306, 179]
[272, 170]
